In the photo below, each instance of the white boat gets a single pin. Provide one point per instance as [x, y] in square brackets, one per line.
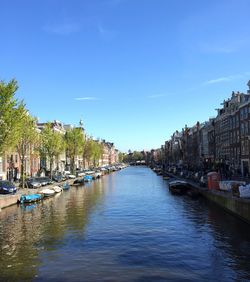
[228, 184]
[48, 192]
[89, 172]
[244, 191]
[57, 189]
[98, 174]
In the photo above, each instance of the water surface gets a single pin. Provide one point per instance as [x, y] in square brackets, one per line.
[123, 227]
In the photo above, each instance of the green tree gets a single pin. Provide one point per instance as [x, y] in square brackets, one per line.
[87, 151]
[10, 111]
[97, 151]
[137, 156]
[74, 140]
[27, 136]
[52, 145]
[121, 157]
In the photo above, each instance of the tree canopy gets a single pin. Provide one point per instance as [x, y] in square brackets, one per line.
[27, 139]
[11, 109]
[74, 140]
[52, 144]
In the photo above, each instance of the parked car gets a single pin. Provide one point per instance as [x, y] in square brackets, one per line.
[33, 182]
[45, 180]
[7, 187]
[57, 178]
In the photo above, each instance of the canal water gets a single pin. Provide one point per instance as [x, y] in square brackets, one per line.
[123, 227]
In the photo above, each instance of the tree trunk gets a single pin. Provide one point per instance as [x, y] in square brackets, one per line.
[50, 167]
[22, 172]
[72, 164]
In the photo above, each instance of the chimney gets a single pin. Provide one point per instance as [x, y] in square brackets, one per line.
[248, 84]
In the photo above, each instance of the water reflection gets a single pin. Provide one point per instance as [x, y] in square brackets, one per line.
[123, 227]
[26, 231]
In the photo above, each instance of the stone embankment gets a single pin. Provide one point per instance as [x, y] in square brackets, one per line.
[10, 199]
[235, 205]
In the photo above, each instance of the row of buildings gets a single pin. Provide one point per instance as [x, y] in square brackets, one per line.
[221, 143]
[10, 163]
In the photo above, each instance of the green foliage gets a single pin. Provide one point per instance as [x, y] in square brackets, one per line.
[137, 156]
[93, 151]
[97, 151]
[74, 140]
[27, 136]
[133, 157]
[121, 157]
[10, 111]
[52, 144]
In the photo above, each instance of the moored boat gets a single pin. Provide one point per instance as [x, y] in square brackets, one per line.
[48, 192]
[79, 181]
[194, 194]
[66, 186]
[30, 198]
[57, 189]
[178, 187]
[98, 174]
[88, 178]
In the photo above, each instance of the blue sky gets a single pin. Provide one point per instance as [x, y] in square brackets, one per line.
[133, 70]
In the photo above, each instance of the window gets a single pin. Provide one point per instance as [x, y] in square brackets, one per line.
[242, 128]
[237, 121]
[246, 147]
[246, 127]
[241, 114]
[242, 148]
[245, 112]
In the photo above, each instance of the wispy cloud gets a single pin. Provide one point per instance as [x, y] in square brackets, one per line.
[226, 78]
[86, 98]
[62, 28]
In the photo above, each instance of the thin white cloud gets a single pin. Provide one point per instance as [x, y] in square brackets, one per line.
[226, 78]
[62, 29]
[86, 98]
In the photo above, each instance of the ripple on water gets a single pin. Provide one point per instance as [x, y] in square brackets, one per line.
[124, 227]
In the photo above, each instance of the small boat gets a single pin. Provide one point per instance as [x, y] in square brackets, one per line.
[30, 198]
[48, 192]
[79, 181]
[66, 186]
[178, 187]
[193, 194]
[166, 177]
[98, 174]
[88, 178]
[57, 189]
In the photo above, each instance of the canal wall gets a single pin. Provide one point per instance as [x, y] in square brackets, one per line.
[237, 206]
[8, 200]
